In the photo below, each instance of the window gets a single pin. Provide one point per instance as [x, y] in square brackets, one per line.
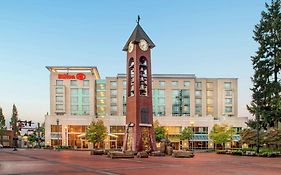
[86, 109]
[228, 109]
[209, 85]
[59, 98]
[86, 83]
[59, 90]
[113, 108]
[198, 85]
[209, 109]
[228, 101]
[113, 84]
[185, 93]
[74, 91]
[73, 83]
[209, 101]
[198, 93]
[228, 93]
[175, 83]
[74, 99]
[74, 107]
[59, 107]
[85, 99]
[162, 83]
[186, 83]
[209, 93]
[198, 109]
[85, 91]
[124, 83]
[113, 100]
[198, 101]
[161, 93]
[59, 82]
[161, 101]
[227, 85]
[113, 92]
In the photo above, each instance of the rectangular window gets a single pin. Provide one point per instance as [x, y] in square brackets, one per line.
[113, 84]
[86, 109]
[59, 98]
[161, 101]
[228, 101]
[209, 101]
[86, 83]
[228, 109]
[209, 93]
[113, 100]
[210, 109]
[74, 99]
[198, 85]
[175, 93]
[161, 93]
[186, 83]
[228, 93]
[162, 83]
[209, 85]
[59, 90]
[59, 107]
[198, 93]
[74, 91]
[73, 82]
[59, 82]
[85, 91]
[198, 101]
[113, 92]
[74, 107]
[227, 85]
[198, 109]
[113, 108]
[86, 100]
[175, 83]
[124, 83]
[185, 93]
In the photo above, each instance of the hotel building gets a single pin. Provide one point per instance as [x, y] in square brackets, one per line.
[79, 96]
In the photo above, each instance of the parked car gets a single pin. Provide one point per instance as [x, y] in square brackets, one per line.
[1, 146]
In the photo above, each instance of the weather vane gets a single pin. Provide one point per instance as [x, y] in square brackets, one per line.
[138, 20]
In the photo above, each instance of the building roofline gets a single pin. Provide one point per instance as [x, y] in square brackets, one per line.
[93, 69]
[166, 75]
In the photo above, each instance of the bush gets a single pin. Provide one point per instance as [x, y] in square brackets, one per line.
[237, 152]
[221, 151]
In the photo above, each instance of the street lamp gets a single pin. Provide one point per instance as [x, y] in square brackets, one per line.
[192, 125]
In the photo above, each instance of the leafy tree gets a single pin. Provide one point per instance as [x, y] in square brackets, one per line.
[248, 136]
[2, 125]
[220, 134]
[186, 134]
[266, 102]
[96, 133]
[273, 137]
[160, 132]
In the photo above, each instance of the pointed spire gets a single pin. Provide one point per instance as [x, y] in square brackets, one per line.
[137, 35]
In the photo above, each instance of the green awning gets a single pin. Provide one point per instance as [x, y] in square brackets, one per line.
[200, 137]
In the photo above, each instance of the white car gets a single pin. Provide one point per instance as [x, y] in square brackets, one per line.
[1, 146]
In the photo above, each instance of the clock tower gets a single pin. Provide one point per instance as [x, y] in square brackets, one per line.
[139, 119]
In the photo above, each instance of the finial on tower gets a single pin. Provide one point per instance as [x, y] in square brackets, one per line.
[138, 20]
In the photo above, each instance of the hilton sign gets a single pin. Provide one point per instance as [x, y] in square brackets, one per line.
[79, 76]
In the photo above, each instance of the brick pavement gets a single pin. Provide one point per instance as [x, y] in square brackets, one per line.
[34, 162]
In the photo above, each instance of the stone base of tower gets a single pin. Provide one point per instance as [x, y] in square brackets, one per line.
[141, 139]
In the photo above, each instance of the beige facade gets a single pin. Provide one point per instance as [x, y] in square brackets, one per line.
[179, 100]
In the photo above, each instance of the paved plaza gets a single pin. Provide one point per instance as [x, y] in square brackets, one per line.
[33, 162]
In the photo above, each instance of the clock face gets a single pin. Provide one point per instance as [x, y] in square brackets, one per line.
[143, 45]
[131, 47]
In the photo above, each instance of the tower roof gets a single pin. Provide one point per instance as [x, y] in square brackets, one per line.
[137, 35]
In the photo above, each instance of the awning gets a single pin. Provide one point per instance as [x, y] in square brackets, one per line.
[199, 137]
[236, 138]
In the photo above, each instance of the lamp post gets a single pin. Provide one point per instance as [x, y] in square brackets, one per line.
[58, 121]
[192, 125]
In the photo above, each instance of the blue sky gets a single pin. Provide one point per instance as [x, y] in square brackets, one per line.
[207, 38]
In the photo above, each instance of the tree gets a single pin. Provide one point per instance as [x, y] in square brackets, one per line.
[13, 123]
[266, 102]
[2, 125]
[248, 136]
[186, 134]
[96, 133]
[160, 132]
[273, 137]
[220, 134]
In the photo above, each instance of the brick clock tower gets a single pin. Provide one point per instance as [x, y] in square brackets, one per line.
[139, 120]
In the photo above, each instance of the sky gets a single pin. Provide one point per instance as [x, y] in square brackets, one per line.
[208, 38]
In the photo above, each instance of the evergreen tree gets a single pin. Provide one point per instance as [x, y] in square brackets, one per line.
[13, 123]
[266, 102]
[2, 125]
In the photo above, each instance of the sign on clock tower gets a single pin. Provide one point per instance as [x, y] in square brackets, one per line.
[139, 119]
